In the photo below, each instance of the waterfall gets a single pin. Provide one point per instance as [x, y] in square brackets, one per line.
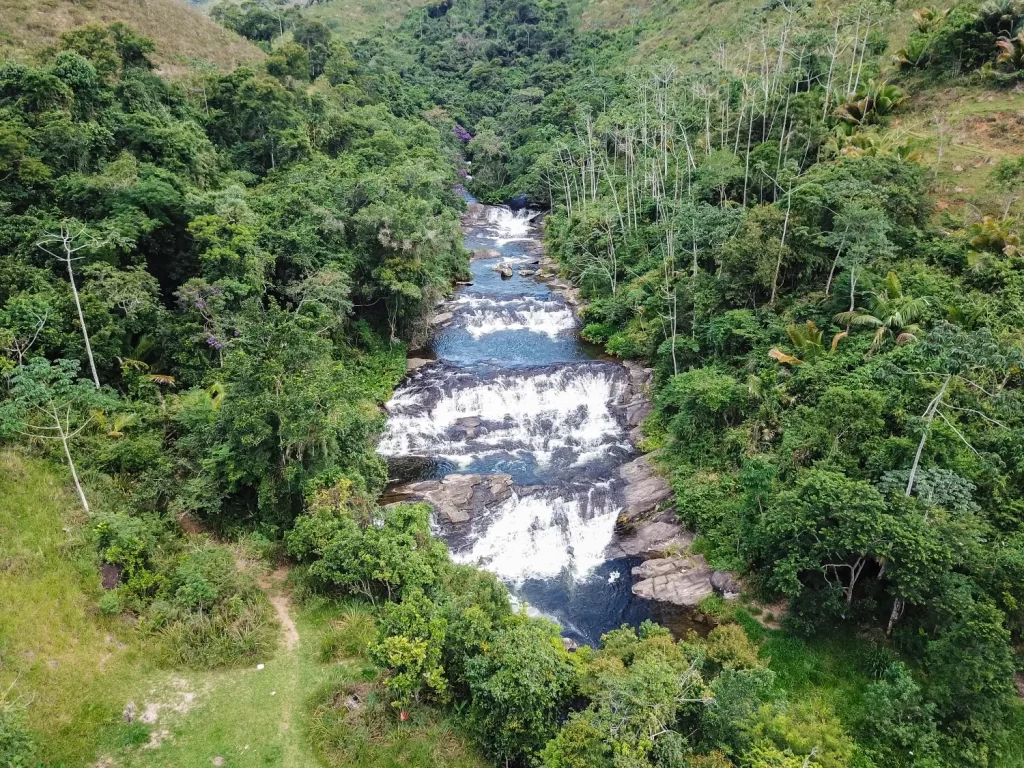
[481, 315]
[568, 412]
[515, 391]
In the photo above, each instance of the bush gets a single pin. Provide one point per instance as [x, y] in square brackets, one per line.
[111, 604]
[235, 632]
[349, 635]
[729, 647]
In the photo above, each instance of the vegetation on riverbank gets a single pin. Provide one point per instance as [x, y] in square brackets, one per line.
[207, 288]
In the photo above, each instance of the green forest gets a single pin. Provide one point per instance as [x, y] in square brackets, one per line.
[210, 282]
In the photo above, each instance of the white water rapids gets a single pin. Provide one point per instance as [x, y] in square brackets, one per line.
[514, 391]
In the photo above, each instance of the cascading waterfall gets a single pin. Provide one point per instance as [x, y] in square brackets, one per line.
[515, 391]
[482, 315]
[543, 536]
[567, 412]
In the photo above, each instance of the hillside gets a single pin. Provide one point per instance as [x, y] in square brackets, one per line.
[962, 128]
[182, 33]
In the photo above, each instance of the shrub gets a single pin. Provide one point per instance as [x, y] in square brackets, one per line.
[111, 604]
[236, 631]
[349, 635]
[729, 647]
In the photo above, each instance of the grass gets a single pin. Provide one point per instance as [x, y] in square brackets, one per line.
[77, 669]
[72, 666]
[183, 34]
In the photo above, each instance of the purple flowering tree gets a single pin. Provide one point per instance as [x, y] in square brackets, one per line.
[461, 133]
[207, 301]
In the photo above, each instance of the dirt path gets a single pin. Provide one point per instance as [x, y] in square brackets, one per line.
[274, 587]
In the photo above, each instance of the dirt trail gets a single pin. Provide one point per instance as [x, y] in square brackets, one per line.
[274, 586]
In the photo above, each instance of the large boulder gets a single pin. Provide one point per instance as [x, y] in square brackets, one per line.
[644, 491]
[459, 498]
[681, 581]
[657, 537]
[518, 202]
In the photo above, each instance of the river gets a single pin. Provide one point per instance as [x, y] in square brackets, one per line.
[514, 389]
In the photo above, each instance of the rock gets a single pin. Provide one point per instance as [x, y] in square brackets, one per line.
[637, 411]
[504, 269]
[726, 585]
[110, 575]
[678, 580]
[128, 715]
[570, 644]
[518, 202]
[469, 424]
[218, 761]
[645, 489]
[651, 539]
[527, 272]
[460, 497]
[463, 282]
[415, 362]
[637, 397]
[441, 318]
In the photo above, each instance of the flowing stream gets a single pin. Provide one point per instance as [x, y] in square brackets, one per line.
[512, 388]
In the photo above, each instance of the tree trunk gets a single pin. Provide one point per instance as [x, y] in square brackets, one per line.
[929, 415]
[62, 431]
[81, 320]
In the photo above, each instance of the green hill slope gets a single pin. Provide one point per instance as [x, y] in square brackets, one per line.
[182, 33]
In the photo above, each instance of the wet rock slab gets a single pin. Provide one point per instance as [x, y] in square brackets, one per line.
[459, 498]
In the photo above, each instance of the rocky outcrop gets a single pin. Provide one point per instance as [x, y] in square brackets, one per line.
[441, 318]
[725, 584]
[683, 581]
[637, 397]
[413, 363]
[645, 490]
[655, 538]
[458, 498]
[504, 269]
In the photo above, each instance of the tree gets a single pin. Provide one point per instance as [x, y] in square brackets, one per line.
[63, 246]
[892, 313]
[50, 402]
[825, 524]
[521, 686]
[410, 642]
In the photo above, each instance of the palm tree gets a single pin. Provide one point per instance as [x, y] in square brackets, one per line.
[872, 101]
[809, 342]
[1011, 52]
[891, 312]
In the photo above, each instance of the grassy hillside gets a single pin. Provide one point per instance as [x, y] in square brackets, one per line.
[353, 19]
[75, 670]
[963, 127]
[182, 34]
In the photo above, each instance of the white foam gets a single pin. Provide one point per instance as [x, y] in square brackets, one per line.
[531, 537]
[540, 413]
[484, 316]
[510, 226]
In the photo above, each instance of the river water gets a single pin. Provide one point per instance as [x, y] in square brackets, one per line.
[514, 389]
